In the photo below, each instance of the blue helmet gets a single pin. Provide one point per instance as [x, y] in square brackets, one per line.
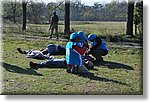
[82, 36]
[73, 36]
[91, 37]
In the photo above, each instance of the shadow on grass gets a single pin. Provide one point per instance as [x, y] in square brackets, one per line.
[16, 69]
[113, 65]
[96, 78]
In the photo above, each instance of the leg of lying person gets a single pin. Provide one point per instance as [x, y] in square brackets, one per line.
[52, 63]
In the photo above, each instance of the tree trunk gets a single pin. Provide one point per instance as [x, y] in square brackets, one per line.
[67, 17]
[135, 29]
[130, 18]
[24, 5]
[140, 28]
[14, 11]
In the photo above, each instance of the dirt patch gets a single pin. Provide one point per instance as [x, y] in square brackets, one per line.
[126, 44]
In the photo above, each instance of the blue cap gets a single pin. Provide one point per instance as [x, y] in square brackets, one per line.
[91, 37]
[83, 39]
[73, 36]
[82, 36]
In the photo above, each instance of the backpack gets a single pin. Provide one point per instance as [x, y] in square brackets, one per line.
[62, 50]
[52, 48]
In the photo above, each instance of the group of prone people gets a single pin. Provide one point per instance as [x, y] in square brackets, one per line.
[76, 51]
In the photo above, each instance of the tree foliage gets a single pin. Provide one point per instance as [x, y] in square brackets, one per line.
[138, 17]
[38, 12]
[12, 11]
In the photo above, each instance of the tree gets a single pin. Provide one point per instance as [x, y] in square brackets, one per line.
[13, 4]
[12, 10]
[37, 12]
[24, 5]
[7, 12]
[130, 18]
[138, 17]
[34, 12]
[67, 17]
[76, 10]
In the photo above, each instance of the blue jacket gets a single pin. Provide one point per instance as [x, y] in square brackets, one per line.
[102, 46]
[82, 41]
[72, 56]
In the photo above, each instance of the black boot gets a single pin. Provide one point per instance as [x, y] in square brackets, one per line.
[33, 65]
[57, 36]
[50, 37]
[20, 51]
[99, 60]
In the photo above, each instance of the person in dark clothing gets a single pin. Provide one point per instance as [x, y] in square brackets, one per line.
[54, 25]
[98, 48]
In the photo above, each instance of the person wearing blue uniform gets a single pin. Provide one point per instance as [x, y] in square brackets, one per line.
[99, 47]
[83, 38]
[74, 54]
[82, 42]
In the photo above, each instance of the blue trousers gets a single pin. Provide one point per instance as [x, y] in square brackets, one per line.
[53, 63]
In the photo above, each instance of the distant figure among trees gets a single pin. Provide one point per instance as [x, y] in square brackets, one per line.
[54, 25]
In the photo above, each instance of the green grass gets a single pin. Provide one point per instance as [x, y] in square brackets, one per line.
[110, 31]
[121, 73]
[99, 28]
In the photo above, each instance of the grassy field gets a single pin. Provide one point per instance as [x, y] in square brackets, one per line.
[120, 73]
[99, 28]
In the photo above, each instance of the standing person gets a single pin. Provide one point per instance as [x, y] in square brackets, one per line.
[73, 55]
[54, 25]
[98, 48]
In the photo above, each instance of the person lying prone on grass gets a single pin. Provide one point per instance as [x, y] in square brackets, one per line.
[37, 54]
[51, 49]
